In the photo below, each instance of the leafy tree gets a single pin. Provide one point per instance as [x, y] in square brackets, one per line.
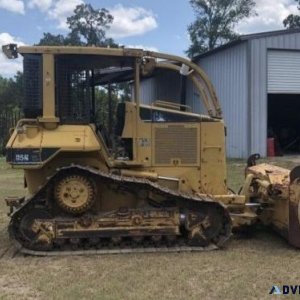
[50, 39]
[292, 21]
[17, 91]
[87, 27]
[11, 95]
[90, 24]
[215, 23]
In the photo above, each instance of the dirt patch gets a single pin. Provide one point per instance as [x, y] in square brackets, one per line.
[13, 288]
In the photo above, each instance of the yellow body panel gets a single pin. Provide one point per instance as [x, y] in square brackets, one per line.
[213, 159]
[205, 173]
[80, 139]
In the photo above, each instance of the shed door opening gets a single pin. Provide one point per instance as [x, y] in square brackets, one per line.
[284, 101]
[284, 122]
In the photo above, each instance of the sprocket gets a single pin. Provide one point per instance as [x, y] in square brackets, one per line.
[75, 193]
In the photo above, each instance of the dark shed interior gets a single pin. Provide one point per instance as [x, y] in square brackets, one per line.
[284, 122]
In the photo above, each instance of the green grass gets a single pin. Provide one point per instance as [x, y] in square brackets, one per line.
[246, 269]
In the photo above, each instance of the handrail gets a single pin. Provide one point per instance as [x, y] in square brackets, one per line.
[167, 104]
[207, 83]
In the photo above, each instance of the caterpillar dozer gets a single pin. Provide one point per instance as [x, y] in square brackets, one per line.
[159, 184]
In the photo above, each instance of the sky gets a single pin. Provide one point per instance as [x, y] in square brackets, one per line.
[151, 24]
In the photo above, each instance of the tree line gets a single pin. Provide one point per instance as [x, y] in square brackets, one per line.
[214, 25]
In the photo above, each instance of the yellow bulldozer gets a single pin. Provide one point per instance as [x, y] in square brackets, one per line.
[159, 185]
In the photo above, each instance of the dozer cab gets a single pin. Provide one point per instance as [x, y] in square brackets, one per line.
[159, 184]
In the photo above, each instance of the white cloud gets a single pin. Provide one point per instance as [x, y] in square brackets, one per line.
[61, 10]
[131, 21]
[16, 6]
[149, 48]
[270, 16]
[128, 21]
[8, 67]
[42, 5]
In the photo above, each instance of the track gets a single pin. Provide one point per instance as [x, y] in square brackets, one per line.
[84, 246]
[17, 250]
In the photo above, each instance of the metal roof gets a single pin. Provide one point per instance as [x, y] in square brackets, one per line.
[247, 37]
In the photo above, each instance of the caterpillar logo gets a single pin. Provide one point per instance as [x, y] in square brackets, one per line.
[285, 290]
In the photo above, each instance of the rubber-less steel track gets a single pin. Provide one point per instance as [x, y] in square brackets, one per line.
[181, 200]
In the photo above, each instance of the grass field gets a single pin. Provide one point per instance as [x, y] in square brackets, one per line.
[246, 269]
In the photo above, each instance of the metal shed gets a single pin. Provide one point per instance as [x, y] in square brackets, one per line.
[257, 79]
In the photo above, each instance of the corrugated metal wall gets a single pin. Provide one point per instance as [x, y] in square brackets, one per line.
[148, 91]
[170, 89]
[193, 98]
[258, 84]
[227, 70]
[152, 89]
